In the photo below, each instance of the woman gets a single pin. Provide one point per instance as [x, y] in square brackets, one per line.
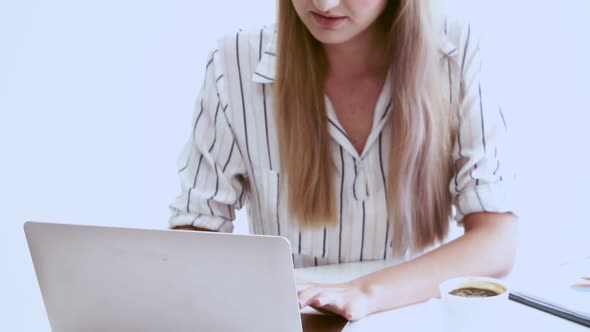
[357, 129]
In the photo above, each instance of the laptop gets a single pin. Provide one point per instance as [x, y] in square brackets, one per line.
[118, 279]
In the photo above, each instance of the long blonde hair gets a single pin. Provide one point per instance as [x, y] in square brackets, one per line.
[423, 127]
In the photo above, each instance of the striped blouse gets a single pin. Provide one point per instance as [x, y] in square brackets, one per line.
[232, 156]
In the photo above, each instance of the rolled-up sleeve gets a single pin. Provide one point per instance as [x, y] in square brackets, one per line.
[484, 172]
[210, 165]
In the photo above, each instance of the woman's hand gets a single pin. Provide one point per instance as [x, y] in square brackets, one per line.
[347, 299]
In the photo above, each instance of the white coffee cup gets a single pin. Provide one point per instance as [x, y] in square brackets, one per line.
[474, 313]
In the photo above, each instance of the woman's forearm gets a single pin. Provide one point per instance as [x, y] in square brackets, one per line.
[488, 248]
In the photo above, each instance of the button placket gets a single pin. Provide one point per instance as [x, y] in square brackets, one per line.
[361, 186]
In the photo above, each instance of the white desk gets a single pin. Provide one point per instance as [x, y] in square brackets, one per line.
[424, 316]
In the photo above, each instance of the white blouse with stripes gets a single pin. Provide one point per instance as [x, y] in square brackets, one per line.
[233, 157]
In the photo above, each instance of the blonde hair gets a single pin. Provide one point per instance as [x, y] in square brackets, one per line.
[423, 126]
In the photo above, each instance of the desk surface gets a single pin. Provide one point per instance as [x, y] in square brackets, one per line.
[520, 315]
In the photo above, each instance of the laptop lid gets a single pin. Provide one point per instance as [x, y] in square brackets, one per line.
[117, 279]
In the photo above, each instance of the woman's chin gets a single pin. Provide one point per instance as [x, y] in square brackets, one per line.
[331, 37]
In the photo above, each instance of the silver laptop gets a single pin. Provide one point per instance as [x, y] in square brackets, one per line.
[117, 279]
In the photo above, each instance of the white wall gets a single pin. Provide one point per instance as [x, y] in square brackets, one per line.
[96, 99]
[541, 49]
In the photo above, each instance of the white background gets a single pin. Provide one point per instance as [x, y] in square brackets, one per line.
[96, 99]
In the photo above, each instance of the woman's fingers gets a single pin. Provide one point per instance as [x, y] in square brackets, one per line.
[332, 300]
[307, 295]
[344, 300]
[329, 297]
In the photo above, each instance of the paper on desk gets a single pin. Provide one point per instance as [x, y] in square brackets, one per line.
[426, 316]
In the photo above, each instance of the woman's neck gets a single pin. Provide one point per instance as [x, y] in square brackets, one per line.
[361, 56]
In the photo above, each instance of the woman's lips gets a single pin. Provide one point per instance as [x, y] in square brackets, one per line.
[328, 22]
